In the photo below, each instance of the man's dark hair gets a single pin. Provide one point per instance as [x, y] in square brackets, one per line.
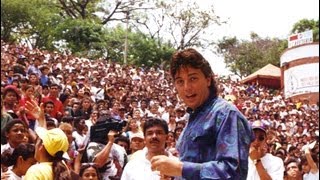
[151, 122]
[292, 148]
[13, 122]
[293, 160]
[24, 150]
[123, 139]
[192, 58]
[48, 102]
[54, 85]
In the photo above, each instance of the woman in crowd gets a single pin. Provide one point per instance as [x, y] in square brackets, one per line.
[28, 95]
[85, 108]
[89, 171]
[132, 128]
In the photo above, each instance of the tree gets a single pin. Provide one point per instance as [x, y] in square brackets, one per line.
[305, 25]
[83, 9]
[142, 49]
[245, 57]
[34, 20]
[83, 37]
[183, 23]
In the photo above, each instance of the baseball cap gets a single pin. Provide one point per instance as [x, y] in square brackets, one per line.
[137, 135]
[13, 89]
[54, 140]
[259, 125]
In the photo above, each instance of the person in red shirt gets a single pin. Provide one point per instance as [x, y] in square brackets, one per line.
[53, 96]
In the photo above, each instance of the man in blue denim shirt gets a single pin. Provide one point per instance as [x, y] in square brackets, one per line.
[215, 142]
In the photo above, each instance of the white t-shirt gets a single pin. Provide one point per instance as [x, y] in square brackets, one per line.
[272, 164]
[311, 176]
[79, 139]
[139, 168]
[13, 176]
[116, 152]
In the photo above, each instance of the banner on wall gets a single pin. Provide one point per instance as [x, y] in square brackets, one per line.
[300, 38]
[301, 79]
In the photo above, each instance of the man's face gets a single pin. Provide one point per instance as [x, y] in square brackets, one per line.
[54, 90]
[260, 138]
[16, 133]
[293, 170]
[192, 86]
[155, 139]
[10, 98]
[306, 168]
[49, 108]
[137, 143]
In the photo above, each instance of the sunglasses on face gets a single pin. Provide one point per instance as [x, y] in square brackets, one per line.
[85, 165]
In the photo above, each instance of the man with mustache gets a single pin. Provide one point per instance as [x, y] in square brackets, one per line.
[155, 134]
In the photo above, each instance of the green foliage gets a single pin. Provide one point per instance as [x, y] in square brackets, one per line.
[23, 19]
[83, 37]
[13, 16]
[305, 25]
[245, 57]
[141, 48]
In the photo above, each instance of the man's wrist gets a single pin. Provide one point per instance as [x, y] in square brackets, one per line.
[256, 161]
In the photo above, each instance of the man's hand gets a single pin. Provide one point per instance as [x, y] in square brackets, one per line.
[5, 175]
[169, 166]
[111, 135]
[255, 152]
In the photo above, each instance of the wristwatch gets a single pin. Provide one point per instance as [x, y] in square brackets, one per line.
[256, 161]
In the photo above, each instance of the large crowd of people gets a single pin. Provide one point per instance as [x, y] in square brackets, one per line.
[76, 94]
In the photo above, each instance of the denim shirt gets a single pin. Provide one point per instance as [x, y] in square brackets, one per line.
[215, 142]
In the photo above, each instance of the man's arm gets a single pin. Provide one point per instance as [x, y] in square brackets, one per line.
[102, 157]
[231, 153]
[255, 155]
[314, 169]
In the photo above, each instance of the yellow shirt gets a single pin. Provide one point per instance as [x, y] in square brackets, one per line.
[40, 171]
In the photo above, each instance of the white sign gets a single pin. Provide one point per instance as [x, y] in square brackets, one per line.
[300, 38]
[301, 79]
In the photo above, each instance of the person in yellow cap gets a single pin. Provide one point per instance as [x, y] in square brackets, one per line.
[50, 151]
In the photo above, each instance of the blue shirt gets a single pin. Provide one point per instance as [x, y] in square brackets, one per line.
[215, 142]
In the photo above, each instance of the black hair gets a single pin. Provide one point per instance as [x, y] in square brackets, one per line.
[123, 139]
[293, 160]
[63, 97]
[85, 166]
[25, 150]
[12, 123]
[151, 122]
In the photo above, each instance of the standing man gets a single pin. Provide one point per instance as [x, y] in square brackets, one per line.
[215, 142]
[263, 165]
[139, 168]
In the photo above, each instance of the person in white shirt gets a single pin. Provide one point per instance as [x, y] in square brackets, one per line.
[309, 166]
[263, 165]
[19, 161]
[139, 168]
